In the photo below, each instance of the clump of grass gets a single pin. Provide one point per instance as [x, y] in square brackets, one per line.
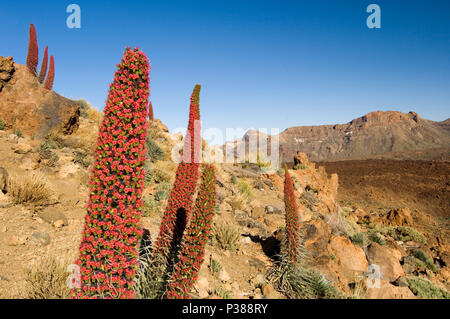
[300, 166]
[84, 107]
[154, 152]
[238, 202]
[215, 267]
[53, 160]
[48, 145]
[18, 133]
[2, 125]
[359, 239]
[29, 189]
[358, 290]
[422, 256]
[338, 225]
[151, 206]
[298, 282]
[226, 236]
[223, 293]
[424, 288]
[244, 189]
[161, 195]
[405, 233]
[377, 238]
[80, 159]
[47, 279]
[234, 179]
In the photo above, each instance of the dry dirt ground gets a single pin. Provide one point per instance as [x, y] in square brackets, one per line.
[374, 185]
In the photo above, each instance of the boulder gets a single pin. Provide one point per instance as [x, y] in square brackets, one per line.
[52, 215]
[316, 234]
[34, 110]
[397, 217]
[7, 70]
[351, 259]
[388, 259]
[257, 212]
[389, 291]
[22, 148]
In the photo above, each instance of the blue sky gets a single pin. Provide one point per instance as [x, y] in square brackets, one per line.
[262, 64]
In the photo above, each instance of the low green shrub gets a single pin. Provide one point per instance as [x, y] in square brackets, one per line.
[424, 288]
[422, 256]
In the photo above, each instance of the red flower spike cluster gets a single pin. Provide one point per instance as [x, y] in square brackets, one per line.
[292, 236]
[44, 66]
[191, 257]
[33, 51]
[182, 193]
[150, 111]
[51, 74]
[108, 250]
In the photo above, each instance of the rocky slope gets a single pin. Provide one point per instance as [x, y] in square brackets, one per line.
[377, 135]
[30, 108]
[250, 204]
[44, 190]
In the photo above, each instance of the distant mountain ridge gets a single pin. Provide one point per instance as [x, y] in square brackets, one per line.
[377, 135]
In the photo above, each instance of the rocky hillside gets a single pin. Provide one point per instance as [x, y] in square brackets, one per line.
[28, 107]
[377, 135]
[44, 227]
[45, 160]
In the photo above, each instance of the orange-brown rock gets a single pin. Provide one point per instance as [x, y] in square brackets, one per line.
[316, 235]
[389, 291]
[388, 259]
[26, 106]
[351, 259]
[397, 217]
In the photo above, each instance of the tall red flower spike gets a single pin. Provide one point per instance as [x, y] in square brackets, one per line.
[51, 74]
[33, 51]
[181, 196]
[150, 111]
[108, 251]
[44, 66]
[192, 254]
[292, 236]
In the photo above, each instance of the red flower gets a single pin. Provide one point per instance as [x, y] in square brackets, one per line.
[108, 251]
[192, 254]
[33, 51]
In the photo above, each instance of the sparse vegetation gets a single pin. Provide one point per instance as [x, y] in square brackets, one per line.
[300, 166]
[422, 256]
[245, 189]
[47, 279]
[18, 133]
[215, 267]
[424, 288]
[222, 293]
[31, 188]
[238, 202]
[2, 125]
[154, 152]
[359, 239]
[84, 107]
[377, 238]
[151, 206]
[226, 236]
